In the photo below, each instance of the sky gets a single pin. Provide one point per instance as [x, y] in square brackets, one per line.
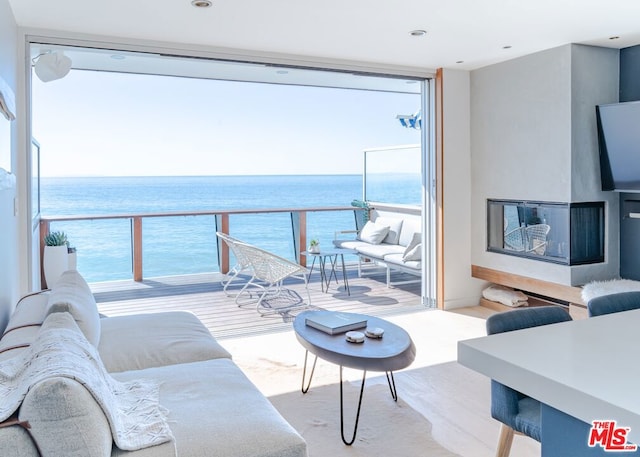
[112, 124]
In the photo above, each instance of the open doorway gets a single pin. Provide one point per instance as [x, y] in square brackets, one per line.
[121, 121]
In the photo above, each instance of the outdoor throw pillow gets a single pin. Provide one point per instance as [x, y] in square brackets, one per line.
[414, 248]
[373, 233]
[395, 224]
[72, 293]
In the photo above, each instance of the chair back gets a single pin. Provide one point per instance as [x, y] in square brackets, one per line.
[267, 266]
[507, 403]
[242, 261]
[519, 319]
[613, 303]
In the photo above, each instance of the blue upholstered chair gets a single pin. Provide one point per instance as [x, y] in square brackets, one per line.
[518, 412]
[614, 303]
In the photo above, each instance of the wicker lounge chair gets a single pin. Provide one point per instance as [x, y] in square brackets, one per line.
[242, 263]
[268, 271]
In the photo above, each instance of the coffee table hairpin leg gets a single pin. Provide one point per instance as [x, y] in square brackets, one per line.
[306, 385]
[304, 372]
[355, 427]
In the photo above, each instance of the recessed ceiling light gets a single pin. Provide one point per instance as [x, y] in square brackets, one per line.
[506, 47]
[614, 37]
[418, 33]
[459, 61]
[201, 3]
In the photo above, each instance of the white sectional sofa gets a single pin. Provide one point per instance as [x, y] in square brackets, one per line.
[392, 240]
[205, 405]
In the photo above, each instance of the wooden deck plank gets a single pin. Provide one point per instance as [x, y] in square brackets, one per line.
[202, 294]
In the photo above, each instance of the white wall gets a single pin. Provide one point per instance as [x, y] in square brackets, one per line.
[9, 271]
[533, 138]
[460, 289]
[595, 80]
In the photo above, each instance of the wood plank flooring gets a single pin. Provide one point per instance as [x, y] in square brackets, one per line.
[202, 294]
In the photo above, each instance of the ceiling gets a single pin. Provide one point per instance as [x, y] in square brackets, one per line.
[464, 34]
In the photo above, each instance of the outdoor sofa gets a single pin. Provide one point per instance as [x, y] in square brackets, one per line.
[205, 405]
[390, 240]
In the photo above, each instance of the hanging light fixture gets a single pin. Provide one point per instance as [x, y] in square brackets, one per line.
[50, 66]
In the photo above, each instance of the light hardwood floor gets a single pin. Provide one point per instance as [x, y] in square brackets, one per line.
[454, 399]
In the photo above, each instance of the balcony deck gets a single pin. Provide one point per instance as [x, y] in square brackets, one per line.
[202, 294]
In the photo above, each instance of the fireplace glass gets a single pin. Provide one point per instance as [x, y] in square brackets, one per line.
[565, 233]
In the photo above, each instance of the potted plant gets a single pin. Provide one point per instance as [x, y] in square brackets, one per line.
[314, 246]
[56, 256]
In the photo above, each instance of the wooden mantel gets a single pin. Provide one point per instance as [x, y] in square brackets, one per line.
[554, 290]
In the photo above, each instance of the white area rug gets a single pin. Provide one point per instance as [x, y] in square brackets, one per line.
[599, 288]
[386, 428]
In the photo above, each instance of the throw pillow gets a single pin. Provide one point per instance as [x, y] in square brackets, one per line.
[373, 233]
[72, 293]
[395, 225]
[414, 248]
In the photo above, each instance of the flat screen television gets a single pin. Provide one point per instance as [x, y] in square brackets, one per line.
[619, 143]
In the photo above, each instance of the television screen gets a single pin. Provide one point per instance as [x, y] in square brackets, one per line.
[619, 142]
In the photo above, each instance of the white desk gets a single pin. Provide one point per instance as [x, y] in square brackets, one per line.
[588, 369]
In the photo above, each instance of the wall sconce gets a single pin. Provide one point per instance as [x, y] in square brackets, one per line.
[52, 65]
[412, 121]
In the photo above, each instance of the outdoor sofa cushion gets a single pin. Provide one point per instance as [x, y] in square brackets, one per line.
[414, 250]
[395, 226]
[214, 410]
[141, 341]
[373, 233]
[396, 259]
[378, 251]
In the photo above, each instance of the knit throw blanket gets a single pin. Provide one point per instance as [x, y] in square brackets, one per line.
[135, 416]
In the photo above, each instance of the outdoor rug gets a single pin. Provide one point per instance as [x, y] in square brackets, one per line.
[386, 428]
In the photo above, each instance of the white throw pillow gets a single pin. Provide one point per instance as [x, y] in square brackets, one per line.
[395, 225]
[72, 293]
[414, 248]
[373, 233]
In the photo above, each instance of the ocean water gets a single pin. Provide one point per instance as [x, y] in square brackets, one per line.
[184, 245]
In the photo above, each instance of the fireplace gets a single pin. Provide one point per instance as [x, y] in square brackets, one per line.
[564, 233]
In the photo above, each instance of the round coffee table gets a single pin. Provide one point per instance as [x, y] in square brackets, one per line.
[394, 351]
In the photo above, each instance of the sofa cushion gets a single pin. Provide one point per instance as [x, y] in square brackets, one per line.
[349, 244]
[24, 324]
[414, 248]
[410, 226]
[61, 352]
[150, 340]
[16, 442]
[396, 259]
[73, 292]
[378, 251]
[394, 224]
[66, 420]
[215, 410]
[373, 233]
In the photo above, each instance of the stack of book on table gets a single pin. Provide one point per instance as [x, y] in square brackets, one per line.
[333, 323]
